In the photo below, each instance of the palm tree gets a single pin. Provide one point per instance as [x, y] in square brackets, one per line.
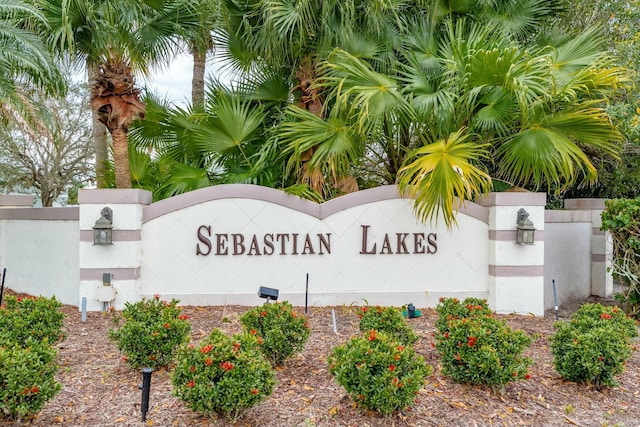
[117, 39]
[24, 60]
[441, 103]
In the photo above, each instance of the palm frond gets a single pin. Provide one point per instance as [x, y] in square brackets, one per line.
[440, 176]
[541, 155]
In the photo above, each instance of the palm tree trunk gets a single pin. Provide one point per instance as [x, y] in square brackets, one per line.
[99, 134]
[121, 158]
[197, 82]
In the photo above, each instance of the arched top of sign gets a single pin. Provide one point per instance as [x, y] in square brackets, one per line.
[279, 197]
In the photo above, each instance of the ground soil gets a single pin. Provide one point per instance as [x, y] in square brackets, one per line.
[99, 389]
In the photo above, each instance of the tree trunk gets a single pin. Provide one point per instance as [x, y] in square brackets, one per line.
[197, 82]
[121, 158]
[99, 134]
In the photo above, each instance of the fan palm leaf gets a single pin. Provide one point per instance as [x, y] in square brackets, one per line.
[441, 175]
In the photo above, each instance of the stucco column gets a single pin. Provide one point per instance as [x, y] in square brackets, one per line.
[123, 259]
[601, 245]
[516, 272]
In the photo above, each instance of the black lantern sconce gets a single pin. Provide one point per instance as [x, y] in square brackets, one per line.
[103, 228]
[268, 294]
[525, 229]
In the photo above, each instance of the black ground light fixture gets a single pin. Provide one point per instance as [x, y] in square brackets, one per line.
[103, 228]
[268, 293]
[525, 229]
[146, 389]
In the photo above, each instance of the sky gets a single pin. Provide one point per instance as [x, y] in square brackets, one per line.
[174, 83]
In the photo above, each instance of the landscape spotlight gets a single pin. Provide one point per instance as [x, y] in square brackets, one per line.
[268, 293]
[526, 230]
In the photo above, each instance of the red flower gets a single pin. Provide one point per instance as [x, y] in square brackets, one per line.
[526, 377]
[183, 317]
[471, 341]
[192, 368]
[515, 374]
[255, 391]
[433, 344]
[263, 313]
[364, 309]
[206, 349]
[441, 299]
[457, 357]
[209, 361]
[400, 348]
[226, 366]
[392, 368]
[373, 334]
[446, 335]
[35, 389]
[605, 316]
[167, 325]
[156, 296]
[259, 340]
[253, 332]
[190, 383]
[236, 346]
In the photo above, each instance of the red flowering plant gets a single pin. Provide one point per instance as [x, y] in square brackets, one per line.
[280, 330]
[477, 348]
[223, 375]
[378, 371]
[27, 378]
[29, 328]
[593, 346]
[38, 318]
[387, 319]
[152, 331]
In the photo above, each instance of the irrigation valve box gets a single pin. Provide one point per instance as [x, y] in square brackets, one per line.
[106, 293]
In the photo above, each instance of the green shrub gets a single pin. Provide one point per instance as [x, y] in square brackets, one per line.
[38, 318]
[451, 309]
[27, 377]
[152, 332]
[223, 375]
[389, 320]
[378, 371]
[621, 217]
[594, 345]
[281, 331]
[476, 348]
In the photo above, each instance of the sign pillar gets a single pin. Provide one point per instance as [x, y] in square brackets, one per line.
[516, 271]
[110, 274]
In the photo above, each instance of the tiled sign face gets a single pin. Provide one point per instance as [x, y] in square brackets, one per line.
[229, 247]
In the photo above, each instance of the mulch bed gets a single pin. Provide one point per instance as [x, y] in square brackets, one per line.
[99, 389]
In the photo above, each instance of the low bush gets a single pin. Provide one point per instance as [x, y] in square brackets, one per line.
[378, 371]
[37, 318]
[281, 331]
[152, 332]
[593, 346]
[27, 377]
[477, 348]
[223, 375]
[389, 320]
[452, 309]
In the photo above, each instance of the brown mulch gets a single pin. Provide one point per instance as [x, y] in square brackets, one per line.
[99, 389]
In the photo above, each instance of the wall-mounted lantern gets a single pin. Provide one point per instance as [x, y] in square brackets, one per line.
[103, 228]
[526, 230]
